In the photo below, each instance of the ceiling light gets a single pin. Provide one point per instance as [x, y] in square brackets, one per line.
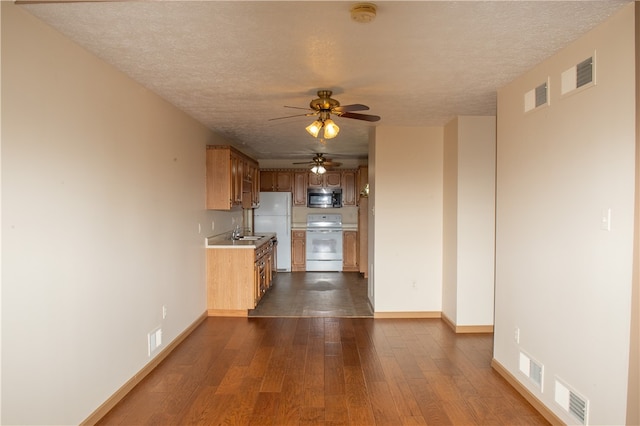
[331, 129]
[363, 12]
[314, 128]
[318, 169]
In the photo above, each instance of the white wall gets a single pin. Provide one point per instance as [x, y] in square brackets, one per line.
[102, 195]
[407, 185]
[469, 220]
[560, 278]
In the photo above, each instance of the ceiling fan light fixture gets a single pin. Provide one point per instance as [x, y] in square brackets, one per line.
[314, 128]
[318, 169]
[331, 129]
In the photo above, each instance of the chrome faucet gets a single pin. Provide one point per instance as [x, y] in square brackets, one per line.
[235, 234]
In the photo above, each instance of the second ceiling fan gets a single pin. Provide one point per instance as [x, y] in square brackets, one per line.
[320, 163]
[323, 107]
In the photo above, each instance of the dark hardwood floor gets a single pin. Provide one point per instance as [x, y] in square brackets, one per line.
[325, 371]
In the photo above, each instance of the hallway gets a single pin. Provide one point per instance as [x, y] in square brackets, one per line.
[316, 294]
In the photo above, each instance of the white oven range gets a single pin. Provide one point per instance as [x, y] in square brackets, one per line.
[324, 242]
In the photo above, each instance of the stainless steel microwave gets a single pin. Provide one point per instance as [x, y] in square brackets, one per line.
[324, 197]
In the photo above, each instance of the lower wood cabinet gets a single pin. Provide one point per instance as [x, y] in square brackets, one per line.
[298, 251]
[237, 278]
[350, 251]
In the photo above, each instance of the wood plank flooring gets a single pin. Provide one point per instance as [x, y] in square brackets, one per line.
[325, 371]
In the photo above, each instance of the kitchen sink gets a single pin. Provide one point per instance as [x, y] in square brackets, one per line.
[249, 238]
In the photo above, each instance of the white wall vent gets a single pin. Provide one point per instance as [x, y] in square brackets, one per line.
[154, 341]
[580, 75]
[532, 369]
[537, 97]
[572, 402]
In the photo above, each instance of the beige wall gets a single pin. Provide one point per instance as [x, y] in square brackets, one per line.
[469, 220]
[102, 200]
[407, 218]
[450, 222]
[561, 279]
[633, 396]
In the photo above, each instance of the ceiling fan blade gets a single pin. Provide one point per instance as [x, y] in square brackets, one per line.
[365, 117]
[291, 116]
[306, 109]
[353, 107]
[331, 164]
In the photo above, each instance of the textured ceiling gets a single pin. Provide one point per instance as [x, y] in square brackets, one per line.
[233, 65]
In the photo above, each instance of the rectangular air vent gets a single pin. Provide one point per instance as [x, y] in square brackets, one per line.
[541, 95]
[584, 72]
[572, 402]
[580, 75]
[532, 369]
[537, 97]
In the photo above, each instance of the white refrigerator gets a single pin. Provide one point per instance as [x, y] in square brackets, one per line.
[274, 215]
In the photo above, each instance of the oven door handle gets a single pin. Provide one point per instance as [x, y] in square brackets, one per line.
[323, 231]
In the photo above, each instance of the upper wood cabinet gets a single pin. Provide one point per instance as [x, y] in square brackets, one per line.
[329, 179]
[300, 188]
[229, 178]
[276, 181]
[251, 185]
[297, 181]
[349, 188]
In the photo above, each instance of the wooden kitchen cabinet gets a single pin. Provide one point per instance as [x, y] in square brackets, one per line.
[349, 188]
[251, 186]
[226, 178]
[276, 181]
[329, 179]
[300, 189]
[237, 278]
[263, 272]
[350, 251]
[297, 181]
[298, 251]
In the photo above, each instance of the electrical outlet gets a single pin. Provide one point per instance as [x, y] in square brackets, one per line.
[164, 312]
[516, 335]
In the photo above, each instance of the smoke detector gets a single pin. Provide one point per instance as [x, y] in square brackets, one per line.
[363, 12]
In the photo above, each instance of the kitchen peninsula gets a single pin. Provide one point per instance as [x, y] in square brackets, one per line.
[239, 272]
